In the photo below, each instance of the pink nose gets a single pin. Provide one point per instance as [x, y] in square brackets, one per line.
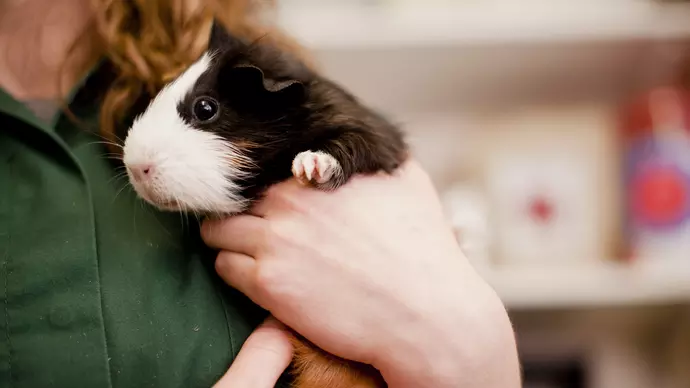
[141, 171]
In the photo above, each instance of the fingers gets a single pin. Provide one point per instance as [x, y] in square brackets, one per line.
[243, 234]
[239, 271]
[262, 360]
[279, 196]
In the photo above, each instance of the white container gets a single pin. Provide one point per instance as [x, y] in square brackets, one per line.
[548, 181]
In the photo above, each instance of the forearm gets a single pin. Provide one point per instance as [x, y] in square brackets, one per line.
[469, 346]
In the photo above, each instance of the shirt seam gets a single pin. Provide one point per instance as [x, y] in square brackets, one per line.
[94, 246]
[226, 313]
[5, 265]
[7, 314]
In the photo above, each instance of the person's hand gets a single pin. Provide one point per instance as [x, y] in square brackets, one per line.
[371, 272]
[264, 357]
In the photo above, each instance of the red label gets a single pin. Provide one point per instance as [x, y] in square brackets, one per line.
[659, 196]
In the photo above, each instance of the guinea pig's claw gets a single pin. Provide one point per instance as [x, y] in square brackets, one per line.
[315, 168]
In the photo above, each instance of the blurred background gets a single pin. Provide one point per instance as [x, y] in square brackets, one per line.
[557, 133]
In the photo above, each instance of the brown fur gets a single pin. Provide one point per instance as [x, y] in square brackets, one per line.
[314, 368]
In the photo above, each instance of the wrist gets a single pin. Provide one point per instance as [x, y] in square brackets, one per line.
[466, 341]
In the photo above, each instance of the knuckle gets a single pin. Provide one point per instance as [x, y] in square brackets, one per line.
[278, 192]
[263, 235]
[267, 279]
[287, 195]
[276, 233]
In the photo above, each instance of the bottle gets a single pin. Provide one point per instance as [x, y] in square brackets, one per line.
[656, 176]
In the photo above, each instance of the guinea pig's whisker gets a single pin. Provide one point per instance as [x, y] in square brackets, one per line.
[196, 215]
[113, 157]
[273, 121]
[119, 139]
[184, 222]
[117, 177]
[134, 217]
[109, 141]
[120, 192]
[147, 209]
[182, 211]
[106, 142]
[271, 143]
[238, 170]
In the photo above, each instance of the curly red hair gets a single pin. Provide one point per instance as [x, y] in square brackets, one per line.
[150, 42]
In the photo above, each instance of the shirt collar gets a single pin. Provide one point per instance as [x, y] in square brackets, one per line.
[12, 107]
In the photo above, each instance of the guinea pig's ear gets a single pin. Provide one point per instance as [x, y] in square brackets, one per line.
[251, 81]
[255, 78]
[222, 40]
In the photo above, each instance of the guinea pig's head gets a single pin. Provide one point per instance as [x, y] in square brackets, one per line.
[202, 140]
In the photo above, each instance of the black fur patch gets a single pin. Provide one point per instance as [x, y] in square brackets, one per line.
[273, 107]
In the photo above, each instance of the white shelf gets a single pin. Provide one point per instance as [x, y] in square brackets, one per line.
[446, 54]
[590, 285]
[332, 25]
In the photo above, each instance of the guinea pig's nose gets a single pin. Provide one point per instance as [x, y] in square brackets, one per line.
[141, 171]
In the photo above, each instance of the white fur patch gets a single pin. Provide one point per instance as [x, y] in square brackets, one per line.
[191, 169]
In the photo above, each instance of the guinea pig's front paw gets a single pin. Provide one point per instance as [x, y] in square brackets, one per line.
[317, 168]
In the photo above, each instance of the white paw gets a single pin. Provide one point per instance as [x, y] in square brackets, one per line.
[315, 167]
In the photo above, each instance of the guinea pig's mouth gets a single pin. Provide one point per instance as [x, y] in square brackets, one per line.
[155, 199]
[165, 204]
[169, 205]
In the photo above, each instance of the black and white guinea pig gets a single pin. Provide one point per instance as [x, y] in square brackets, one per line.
[246, 116]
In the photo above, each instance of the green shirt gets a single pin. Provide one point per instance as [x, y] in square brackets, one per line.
[97, 288]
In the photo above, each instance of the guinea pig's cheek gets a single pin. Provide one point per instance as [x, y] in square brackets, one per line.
[200, 176]
[194, 169]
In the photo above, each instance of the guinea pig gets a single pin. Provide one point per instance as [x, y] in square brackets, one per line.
[246, 116]
[243, 117]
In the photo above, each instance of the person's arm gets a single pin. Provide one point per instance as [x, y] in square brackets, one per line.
[371, 272]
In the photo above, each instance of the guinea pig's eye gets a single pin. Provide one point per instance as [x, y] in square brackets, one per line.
[205, 109]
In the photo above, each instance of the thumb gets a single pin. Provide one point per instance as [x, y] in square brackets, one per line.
[262, 360]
